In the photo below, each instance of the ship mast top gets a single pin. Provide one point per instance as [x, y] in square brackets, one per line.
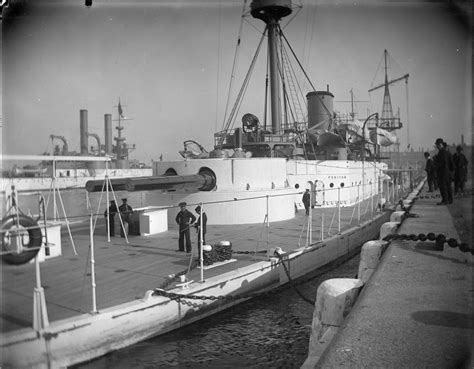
[121, 149]
[271, 12]
[387, 118]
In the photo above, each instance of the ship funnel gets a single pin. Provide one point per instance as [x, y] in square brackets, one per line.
[320, 109]
[83, 132]
[108, 133]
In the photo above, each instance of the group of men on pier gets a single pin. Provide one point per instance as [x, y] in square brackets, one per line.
[443, 169]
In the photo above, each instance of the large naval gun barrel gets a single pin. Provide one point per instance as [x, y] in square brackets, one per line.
[203, 181]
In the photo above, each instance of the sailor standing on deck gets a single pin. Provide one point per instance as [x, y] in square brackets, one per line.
[306, 200]
[197, 225]
[125, 213]
[184, 219]
[110, 212]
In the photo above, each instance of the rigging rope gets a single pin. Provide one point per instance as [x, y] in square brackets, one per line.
[232, 115]
[236, 55]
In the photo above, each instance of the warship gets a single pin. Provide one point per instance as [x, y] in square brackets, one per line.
[250, 185]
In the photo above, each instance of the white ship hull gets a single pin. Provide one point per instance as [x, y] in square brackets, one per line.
[267, 181]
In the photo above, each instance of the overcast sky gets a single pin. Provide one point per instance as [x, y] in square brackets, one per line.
[170, 65]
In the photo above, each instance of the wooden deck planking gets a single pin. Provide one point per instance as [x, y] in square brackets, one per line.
[125, 271]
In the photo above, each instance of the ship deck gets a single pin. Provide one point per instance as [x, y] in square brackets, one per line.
[125, 271]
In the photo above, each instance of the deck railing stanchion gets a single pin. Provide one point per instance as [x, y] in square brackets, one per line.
[40, 312]
[91, 233]
[322, 226]
[371, 199]
[358, 203]
[108, 201]
[339, 210]
[201, 258]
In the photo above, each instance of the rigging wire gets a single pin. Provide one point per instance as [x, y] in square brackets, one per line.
[218, 62]
[232, 115]
[408, 115]
[236, 55]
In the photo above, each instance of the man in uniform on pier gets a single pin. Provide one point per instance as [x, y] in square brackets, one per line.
[444, 168]
[184, 219]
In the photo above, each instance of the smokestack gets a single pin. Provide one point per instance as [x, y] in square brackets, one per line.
[83, 131]
[108, 133]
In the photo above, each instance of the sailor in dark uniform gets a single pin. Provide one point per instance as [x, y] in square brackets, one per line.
[184, 219]
[306, 199]
[110, 212]
[197, 225]
[125, 212]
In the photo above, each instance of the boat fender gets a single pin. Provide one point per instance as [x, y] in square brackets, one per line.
[20, 228]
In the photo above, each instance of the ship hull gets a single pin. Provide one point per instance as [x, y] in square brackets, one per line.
[267, 182]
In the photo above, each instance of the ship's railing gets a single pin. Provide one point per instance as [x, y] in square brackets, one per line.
[288, 133]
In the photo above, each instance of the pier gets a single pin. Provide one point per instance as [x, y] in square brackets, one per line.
[416, 310]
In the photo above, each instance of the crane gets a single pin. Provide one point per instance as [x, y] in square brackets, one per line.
[96, 136]
[387, 112]
[65, 150]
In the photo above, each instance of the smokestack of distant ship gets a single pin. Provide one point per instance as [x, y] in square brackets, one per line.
[108, 133]
[83, 131]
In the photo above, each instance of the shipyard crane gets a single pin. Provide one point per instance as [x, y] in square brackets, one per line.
[387, 118]
[65, 150]
[96, 136]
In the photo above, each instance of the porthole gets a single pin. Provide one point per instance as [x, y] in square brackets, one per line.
[342, 184]
[297, 186]
[331, 185]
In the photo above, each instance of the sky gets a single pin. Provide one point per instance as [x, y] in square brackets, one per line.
[170, 64]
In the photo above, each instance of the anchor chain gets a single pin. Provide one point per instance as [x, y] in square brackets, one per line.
[249, 252]
[180, 297]
[440, 239]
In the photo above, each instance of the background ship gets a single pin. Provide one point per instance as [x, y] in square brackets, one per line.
[69, 168]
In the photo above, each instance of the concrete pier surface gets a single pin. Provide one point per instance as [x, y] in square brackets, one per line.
[416, 311]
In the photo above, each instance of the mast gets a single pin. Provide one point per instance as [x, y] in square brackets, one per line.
[387, 112]
[271, 12]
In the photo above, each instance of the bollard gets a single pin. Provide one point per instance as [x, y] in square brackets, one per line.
[397, 216]
[369, 258]
[388, 228]
[334, 299]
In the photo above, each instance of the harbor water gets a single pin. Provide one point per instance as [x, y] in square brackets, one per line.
[269, 332]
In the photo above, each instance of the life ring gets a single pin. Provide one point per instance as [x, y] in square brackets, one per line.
[20, 228]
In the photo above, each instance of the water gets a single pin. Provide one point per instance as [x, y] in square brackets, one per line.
[270, 332]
